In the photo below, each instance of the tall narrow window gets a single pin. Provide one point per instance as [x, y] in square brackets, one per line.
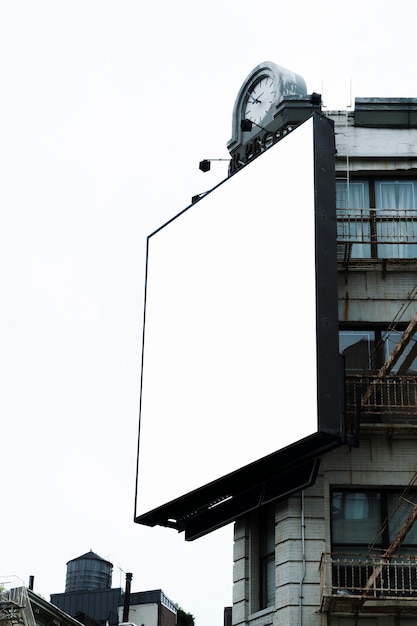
[396, 218]
[356, 518]
[267, 556]
[353, 224]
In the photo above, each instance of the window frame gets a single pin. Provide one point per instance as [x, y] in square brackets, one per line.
[258, 556]
[380, 348]
[385, 533]
[371, 247]
[267, 546]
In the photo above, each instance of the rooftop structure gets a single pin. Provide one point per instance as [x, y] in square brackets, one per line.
[90, 598]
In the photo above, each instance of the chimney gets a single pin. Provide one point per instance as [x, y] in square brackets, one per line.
[127, 598]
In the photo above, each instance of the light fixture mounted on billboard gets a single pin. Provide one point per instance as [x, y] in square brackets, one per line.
[205, 164]
[246, 126]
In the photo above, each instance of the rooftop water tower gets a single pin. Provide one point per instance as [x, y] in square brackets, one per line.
[88, 572]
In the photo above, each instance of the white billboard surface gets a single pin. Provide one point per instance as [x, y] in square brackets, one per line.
[229, 358]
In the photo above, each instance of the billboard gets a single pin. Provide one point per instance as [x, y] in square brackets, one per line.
[240, 387]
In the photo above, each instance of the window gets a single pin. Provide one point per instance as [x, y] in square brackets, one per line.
[267, 556]
[367, 518]
[391, 398]
[395, 220]
[353, 223]
[356, 519]
[377, 218]
[364, 523]
[365, 351]
[357, 346]
[407, 363]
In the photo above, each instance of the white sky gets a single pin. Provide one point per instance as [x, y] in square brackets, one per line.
[106, 108]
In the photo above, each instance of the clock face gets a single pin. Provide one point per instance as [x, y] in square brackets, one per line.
[261, 95]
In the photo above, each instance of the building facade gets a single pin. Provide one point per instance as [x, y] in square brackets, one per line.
[150, 608]
[344, 551]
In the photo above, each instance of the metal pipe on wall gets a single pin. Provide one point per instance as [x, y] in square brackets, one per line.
[303, 555]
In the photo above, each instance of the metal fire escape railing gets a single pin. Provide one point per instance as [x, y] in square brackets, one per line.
[392, 399]
[382, 225]
[361, 231]
[355, 579]
[349, 581]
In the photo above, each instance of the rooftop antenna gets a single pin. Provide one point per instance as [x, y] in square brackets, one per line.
[349, 106]
[121, 571]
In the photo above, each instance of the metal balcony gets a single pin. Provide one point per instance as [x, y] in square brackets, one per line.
[354, 584]
[392, 399]
[376, 234]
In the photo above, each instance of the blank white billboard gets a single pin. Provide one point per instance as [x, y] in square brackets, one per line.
[229, 370]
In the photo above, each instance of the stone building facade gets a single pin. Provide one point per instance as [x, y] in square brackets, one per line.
[344, 551]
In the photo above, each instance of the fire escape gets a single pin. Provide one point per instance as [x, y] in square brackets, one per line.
[374, 583]
[384, 395]
[377, 582]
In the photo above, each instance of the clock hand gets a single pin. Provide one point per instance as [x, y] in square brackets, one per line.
[254, 100]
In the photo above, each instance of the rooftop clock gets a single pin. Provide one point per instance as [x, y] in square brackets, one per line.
[260, 94]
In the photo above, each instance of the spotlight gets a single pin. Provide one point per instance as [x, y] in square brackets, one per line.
[205, 165]
[246, 126]
[198, 196]
[315, 99]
